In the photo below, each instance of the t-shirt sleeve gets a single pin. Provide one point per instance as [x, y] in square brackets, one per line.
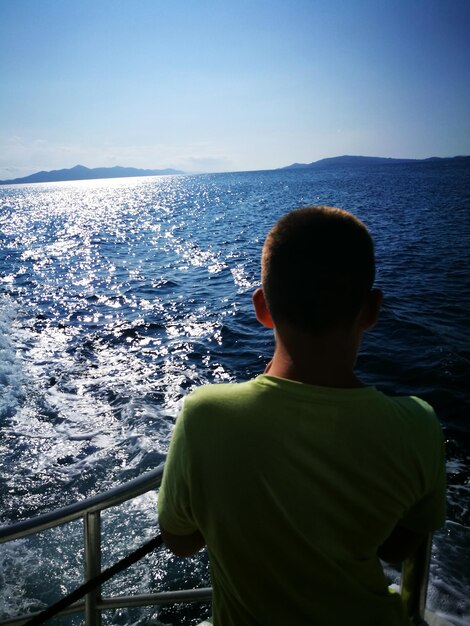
[429, 513]
[174, 509]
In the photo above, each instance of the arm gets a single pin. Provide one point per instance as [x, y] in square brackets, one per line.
[400, 545]
[179, 530]
[428, 514]
[183, 545]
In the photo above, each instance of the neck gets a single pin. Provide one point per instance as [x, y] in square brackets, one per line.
[325, 361]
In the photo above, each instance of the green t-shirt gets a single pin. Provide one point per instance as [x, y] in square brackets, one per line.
[294, 487]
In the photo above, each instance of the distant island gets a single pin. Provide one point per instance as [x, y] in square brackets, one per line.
[80, 172]
[366, 160]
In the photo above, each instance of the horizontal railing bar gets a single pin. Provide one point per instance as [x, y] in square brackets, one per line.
[201, 594]
[112, 497]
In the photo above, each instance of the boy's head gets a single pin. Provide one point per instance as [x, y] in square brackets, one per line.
[317, 269]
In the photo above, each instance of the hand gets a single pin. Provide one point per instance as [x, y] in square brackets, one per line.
[183, 545]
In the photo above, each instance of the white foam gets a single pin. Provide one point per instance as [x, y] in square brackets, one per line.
[11, 370]
[17, 562]
[450, 574]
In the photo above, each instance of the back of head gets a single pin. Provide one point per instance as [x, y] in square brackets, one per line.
[317, 267]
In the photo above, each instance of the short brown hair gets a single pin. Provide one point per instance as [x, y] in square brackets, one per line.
[317, 267]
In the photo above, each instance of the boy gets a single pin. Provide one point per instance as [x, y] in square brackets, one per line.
[299, 480]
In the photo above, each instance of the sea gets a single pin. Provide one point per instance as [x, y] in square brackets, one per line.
[120, 296]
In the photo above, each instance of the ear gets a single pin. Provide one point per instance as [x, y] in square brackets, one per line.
[371, 309]
[261, 309]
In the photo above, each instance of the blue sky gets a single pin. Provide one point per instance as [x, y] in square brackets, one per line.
[216, 85]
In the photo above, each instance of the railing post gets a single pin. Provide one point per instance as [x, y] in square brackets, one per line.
[414, 582]
[92, 530]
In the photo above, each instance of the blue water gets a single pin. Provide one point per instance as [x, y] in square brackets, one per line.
[120, 296]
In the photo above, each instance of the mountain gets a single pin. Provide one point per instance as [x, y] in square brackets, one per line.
[366, 160]
[80, 172]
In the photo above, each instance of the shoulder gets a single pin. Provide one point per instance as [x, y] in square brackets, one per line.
[217, 400]
[422, 430]
[219, 393]
[411, 423]
[413, 404]
[213, 413]
[417, 413]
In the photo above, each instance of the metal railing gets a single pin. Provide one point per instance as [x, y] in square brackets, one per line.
[90, 511]
[414, 582]
[414, 576]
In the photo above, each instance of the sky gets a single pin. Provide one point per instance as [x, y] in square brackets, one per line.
[219, 85]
